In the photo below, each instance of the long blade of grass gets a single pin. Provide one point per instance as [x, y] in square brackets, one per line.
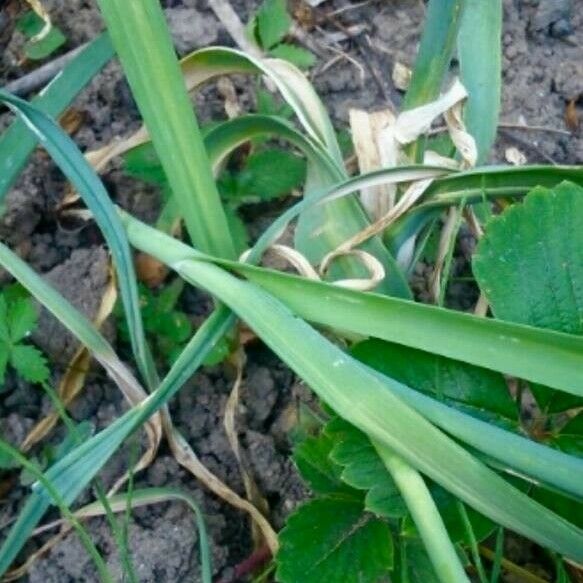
[72, 163]
[206, 64]
[338, 379]
[224, 138]
[17, 144]
[480, 57]
[142, 41]
[489, 343]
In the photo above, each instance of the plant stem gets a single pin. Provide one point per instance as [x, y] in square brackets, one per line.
[498, 556]
[422, 507]
[473, 542]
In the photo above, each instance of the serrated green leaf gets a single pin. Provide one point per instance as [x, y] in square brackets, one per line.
[176, 326]
[219, 352]
[333, 540]
[363, 469]
[296, 55]
[168, 298]
[273, 22]
[31, 24]
[29, 363]
[528, 266]
[448, 508]
[527, 262]
[445, 379]
[272, 173]
[312, 457]
[22, 319]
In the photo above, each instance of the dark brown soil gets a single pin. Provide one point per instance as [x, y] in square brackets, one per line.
[543, 72]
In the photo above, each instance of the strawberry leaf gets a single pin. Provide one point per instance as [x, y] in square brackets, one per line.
[273, 22]
[29, 363]
[478, 391]
[298, 56]
[333, 540]
[273, 173]
[528, 266]
[22, 319]
[312, 457]
[363, 469]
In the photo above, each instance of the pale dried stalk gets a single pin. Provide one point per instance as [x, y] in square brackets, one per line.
[372, 264]
[186, 457]
[227, 90]
[414, 122]
[482, 305]
[232, 23]
[463, 141]
[251, 489]
[375, 148]
[445, 241]
[409, 198]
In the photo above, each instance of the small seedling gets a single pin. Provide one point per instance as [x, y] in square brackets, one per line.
[167, 326]
[18, 317]
[269, 28]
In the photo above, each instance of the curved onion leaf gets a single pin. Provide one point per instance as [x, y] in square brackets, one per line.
[337, 378]
[16, 143]
[320, 230]
[474, 186]
[511, 348]
[72, 163]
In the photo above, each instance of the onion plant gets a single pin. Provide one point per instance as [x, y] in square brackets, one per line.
[423, 454]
